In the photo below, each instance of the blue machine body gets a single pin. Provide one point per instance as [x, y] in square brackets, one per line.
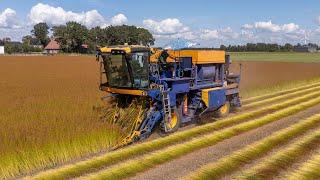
[190, 89]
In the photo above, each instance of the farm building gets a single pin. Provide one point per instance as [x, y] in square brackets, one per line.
[84, 48]
[53, 47]
[1, 49]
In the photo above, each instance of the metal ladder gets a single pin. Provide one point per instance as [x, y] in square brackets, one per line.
[166, 107]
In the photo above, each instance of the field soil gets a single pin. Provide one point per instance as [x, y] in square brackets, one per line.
[264, 74]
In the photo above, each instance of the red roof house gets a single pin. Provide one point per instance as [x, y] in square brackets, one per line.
[53, 47]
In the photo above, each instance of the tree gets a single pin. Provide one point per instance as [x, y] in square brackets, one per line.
[6, 39]
[71, 36]
[97, 37]
[41, 31]
[27, 39]
[287, 47]
[13, 47]
[128, 34]
[223, 47]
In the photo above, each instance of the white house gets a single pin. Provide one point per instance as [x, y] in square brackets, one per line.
[1, 49]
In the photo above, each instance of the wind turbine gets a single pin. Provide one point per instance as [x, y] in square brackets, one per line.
[305, 38]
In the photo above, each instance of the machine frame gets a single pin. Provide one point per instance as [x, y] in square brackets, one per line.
[182, 86]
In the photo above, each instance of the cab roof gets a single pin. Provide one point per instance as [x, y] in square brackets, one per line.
[126, 48]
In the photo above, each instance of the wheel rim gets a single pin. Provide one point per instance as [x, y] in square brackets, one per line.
[224, 109]
[173, 121]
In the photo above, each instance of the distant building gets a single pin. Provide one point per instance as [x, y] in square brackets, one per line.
[53, 47]
[84, 48]
[305, 48]
[1, 49]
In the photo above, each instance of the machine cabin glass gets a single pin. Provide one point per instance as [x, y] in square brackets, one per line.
[127, 70]
[139, 65]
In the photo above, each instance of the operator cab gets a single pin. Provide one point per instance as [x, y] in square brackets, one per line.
[126, 67]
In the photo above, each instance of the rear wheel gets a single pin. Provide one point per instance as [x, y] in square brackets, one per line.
[223, 111]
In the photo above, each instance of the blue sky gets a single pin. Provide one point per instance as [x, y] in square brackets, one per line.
[208, 23]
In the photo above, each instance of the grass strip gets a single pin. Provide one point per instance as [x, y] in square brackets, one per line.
[148, 161]
[280, 160]
[270, 95]
[237, 159]
[279, 98]
[140, 149]
[308, 170]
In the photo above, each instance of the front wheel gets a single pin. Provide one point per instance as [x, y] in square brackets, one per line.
[171, 125]
[223, 111]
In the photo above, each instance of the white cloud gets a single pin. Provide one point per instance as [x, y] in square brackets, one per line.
[318, 20]
[226, 33]
[9, 19]
[268, 26]
[248, 26]
[208, 34]
[271, 27]
[15, 34]
[57, 16]
[290, 27]
[165, 27]
[119, 19]
[188, 35]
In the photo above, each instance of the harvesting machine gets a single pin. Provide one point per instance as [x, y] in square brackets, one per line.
[179, 86]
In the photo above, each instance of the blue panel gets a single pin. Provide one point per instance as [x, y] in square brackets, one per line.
[154, 94]
[180, 86]
[173, 98]
[217, 98]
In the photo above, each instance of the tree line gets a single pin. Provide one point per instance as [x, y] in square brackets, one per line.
[265, 47]
[73, 36]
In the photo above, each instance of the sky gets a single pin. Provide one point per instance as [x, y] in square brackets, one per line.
[206, 23]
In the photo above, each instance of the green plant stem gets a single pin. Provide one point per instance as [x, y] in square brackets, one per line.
[139, 149]
[278, 93]
[251, 152]
[281, 97]
[308, 170]
[148, 161]
[271, 166]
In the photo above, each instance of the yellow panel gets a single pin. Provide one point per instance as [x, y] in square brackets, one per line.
[205, 95]
[108, 49]
[126, 91]
[212, 56]
[198, 56]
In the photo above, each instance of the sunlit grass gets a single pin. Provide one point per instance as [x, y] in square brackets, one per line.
[308, 170]
[272, 165]
[133, 167]
[255, 94]
[47, 113]
[49, 116]
[253, 151]
[139, 149]
[276, 56]
[281, 97]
